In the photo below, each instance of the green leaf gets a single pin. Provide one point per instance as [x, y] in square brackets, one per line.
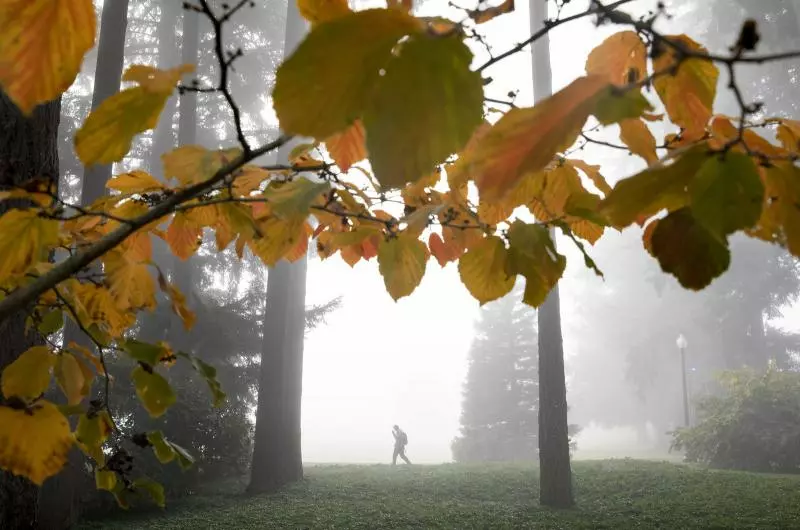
[727, 194]
[401, 262]
[162, 449]
[613, 106]
[424, 109]
[483, 270]
[325, 85]
[533, 254]
[153, 488]
[185, 460]
[143, 352]
[122, 494]
[209, 373]
[153, 390]
[295, 197]
[689, 251]
[105, 480]
[91, 432]
[659, 187]
[51, 322]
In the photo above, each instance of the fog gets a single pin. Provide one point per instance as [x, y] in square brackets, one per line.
[373, 363]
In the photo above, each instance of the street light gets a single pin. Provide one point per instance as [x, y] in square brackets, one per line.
[681, 342]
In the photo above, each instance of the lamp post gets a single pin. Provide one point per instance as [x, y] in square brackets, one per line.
[681, 342]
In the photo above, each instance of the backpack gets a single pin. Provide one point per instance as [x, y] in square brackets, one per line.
[403, 438]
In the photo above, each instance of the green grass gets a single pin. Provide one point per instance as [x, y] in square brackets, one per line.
[618, 494]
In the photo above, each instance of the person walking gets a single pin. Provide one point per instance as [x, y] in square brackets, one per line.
[400, 442]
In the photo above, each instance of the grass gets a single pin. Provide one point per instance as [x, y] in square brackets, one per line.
[618, 494]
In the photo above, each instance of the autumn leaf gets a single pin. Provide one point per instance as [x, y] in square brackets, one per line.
[591, 171]
[727, 194]
[789, 135]
[637, 136]
[73, 377]
[134, 182]
[443, 253]
[190, 164]
[108, 131]
[42, 46]
[130, 282]
[481, 16]
[294, 198]
[688, 251]
[401, 262]
[183, 235]
[621, 59]
[688, 93]
[526, 140]
[423, 110]
[780, 218]
[663, 186]
[532, 254]
[483, 270]
[92, 431]
[613, 106]
[348, 146]
[34, 443]
[344, 80]
[105, 480]
[249, 179]
[25, 238]
[153, 391]
[316, 11]
[29, 375]
[279, 237]
[153, 489]
[177, 301]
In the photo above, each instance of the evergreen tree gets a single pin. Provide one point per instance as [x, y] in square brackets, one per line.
[499, 415]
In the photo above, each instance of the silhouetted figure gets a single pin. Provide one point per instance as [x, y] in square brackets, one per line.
[400, 442]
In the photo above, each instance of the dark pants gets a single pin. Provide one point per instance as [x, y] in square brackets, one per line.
[399, 450]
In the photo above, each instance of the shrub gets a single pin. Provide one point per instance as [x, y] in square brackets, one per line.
[754, 424]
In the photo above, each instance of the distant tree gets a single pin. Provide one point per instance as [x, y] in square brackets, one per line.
[499, 417]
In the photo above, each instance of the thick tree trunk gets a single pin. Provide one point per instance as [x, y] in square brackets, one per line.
[555, 474]
[28, 148]
[187, 118]
[168, 54]
[277, 452]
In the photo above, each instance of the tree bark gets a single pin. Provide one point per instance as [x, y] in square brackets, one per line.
[187, 117]
[555, 474]
[28, 149]
[277, 448]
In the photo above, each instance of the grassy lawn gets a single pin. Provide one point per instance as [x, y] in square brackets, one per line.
[619, 494]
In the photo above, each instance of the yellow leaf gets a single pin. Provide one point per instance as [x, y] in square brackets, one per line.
[621, 59]
[279, 237]
[348, 147]
[637, 136]
[134, 182]
[42, 47]
[233, 220]
[483, 270]
[183, 235]
[494, 212]
[129, 281]
[525, 140]
[316, 11]
[248, 179]
[34, 443]
[294, 198]
[191, 164]
[178, 301]
[29, 375]
[533, 255]
[91, 432]
[107, 133]
[780, 217]
[105, 480]
[25, 238]
[401, 261]
[688, 94]
[71, 378]
[789, 135]
[343, 80]
[481, 16]
[593, 172]
[404, 5]
[724, 131]
[153, 390]
[155, 80]
[98, 307]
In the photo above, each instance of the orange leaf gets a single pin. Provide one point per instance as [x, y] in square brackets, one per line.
[481, 16]
[348, 147]
[317, 11]
[42, 45]
[637, 136]
[183, 235]
[621, 58]
[593, 172]
[525, 140]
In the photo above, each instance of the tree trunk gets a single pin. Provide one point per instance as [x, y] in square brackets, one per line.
[187, 117]
[28, 148]
[59, 498]
[277, 449]
[163, 136]
[555, 475]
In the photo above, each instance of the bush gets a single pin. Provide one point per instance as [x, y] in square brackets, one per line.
[753, 425]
